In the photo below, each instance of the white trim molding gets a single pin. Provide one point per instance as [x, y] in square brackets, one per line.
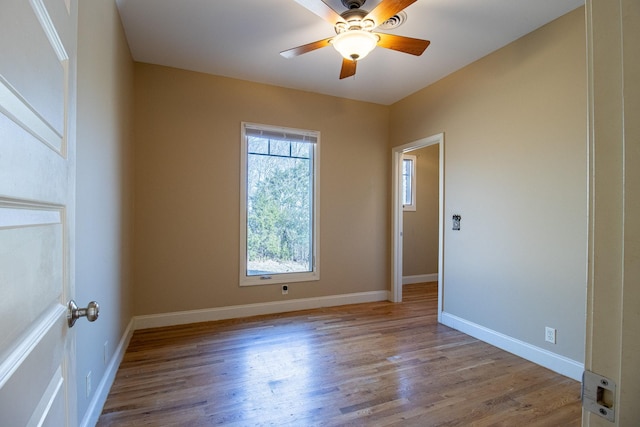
[419, 278]
[396, 216]
[290, 135]
[557, 363]
[102, 391]
[246, 310]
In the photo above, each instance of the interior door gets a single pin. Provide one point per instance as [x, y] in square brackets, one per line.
[37, 172]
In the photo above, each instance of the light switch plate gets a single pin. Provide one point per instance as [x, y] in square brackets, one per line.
[456, 222]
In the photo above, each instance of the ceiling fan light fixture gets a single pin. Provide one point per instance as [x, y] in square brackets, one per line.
[355, 44]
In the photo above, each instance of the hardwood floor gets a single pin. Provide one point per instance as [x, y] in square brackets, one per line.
[376, 364]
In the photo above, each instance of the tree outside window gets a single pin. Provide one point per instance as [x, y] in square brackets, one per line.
[279, 238]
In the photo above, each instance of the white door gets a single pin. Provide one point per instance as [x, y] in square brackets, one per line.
[37, 190]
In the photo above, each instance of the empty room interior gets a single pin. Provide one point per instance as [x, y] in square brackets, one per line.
[513, 253]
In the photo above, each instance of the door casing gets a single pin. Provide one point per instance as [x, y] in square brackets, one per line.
[396, 216]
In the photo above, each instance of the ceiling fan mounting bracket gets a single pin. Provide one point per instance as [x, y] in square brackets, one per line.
[353, 4]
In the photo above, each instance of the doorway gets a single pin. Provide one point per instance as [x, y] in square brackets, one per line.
[397, 216]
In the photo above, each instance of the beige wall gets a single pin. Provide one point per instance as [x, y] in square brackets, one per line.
[515, 168]
[104, 189]
[420, 227]
[187, 189]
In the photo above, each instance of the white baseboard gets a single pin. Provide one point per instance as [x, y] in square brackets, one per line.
[540, 356]
[420, 278]
[245, 310]
[102, 391]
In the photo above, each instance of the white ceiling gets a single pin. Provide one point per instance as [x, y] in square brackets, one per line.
[243, 38]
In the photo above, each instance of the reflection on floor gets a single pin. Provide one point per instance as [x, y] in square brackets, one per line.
[375, 364]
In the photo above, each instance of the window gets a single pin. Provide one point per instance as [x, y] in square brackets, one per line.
[279, 205]
[408, 182]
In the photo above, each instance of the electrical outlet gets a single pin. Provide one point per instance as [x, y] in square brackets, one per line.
[88, 384]
[105, 354]
[550, 335]
[285, 289]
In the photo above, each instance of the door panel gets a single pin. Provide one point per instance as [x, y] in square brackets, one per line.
[36, 70]
[37, 197]
[37, 386]
[31, 269]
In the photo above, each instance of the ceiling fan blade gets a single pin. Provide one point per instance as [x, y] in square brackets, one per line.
[322, 10]
[348, 68]
[402, 44]
[293, 52]
[386, 9]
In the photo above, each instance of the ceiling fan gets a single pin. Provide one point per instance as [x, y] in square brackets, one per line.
[354, 37]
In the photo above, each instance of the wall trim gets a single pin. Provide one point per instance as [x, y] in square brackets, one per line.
[557, 363]
[419, 278]
[102, 391]
[246, 310]
[396, 216]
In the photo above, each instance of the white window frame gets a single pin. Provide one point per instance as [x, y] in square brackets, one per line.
[279, 278]
[411, 206]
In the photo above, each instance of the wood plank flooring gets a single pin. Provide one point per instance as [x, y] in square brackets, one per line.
[376, 364]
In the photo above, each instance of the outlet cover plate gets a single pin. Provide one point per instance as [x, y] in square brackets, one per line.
[550, 335]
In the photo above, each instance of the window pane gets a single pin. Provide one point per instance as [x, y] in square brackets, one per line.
[301, 149]
[407, 174]
[258, 145]
[279, 148]
[406, 193]
[406, 167]
[279, 208]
